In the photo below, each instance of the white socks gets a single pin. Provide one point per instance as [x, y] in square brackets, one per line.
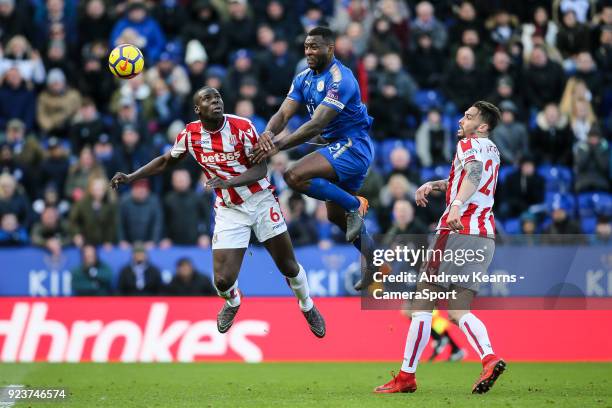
[417, 340]
[476, 333]
[299, 285]
[232, 295]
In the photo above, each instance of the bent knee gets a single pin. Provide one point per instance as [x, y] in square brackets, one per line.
[295, 181]
[456, 315]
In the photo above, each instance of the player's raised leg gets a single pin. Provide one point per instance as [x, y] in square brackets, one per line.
[364, 244]
[314, 175]
[226, 265]
[416, 341]
[478, 337]
[281, 251]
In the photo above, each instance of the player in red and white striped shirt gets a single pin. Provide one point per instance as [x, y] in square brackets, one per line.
[222, 145]
[466, 225]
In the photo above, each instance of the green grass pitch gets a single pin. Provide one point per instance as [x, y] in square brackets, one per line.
[311, 385]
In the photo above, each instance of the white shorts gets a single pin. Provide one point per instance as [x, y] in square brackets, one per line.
[260, 213]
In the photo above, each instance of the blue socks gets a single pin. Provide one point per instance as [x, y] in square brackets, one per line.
[324, 190]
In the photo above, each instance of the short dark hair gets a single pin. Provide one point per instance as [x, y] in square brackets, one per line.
[197, 93]
[489, 113]
[182, 261]
[326, 33]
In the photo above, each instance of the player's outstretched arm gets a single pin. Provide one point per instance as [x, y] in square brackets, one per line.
[279, 120]
[423, 191]
[320, 119]
[155, 166]
[253, 174]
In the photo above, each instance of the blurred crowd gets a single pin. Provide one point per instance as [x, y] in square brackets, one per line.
[67, 125]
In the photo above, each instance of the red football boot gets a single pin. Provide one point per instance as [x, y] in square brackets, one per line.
[492, 368]
[403, 382]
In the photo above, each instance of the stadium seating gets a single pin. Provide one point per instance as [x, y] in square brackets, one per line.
[558, 178]
[594, 203]
[428, 98]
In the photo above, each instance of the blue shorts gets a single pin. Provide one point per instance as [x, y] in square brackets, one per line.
[350, 158]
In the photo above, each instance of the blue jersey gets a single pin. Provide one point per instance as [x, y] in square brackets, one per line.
[337, 88]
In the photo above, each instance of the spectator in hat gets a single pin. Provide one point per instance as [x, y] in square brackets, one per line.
[57, 56]
[505, 91]
[92, 277]
[137, 19]
[187, 281]
[26, 148]
[56, 105]
[173, 74]
[80, 173]
[196, 59]
[592, 163]
[522, 189]
[51, 232]
[11, 232]
[128, 116]
[510, 136]
[433, 140]
[242, 67]
[55, 167]
[93, 220]
[206, 27]
[139, 277]
[240, 27]
[543, 79]
[17, 101]
[186, 214]
[552, 139]
[86, 126]
[140, 216]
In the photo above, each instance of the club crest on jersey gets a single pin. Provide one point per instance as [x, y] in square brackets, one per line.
[320, 86]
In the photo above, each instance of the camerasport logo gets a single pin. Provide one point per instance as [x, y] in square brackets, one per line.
[30, 335]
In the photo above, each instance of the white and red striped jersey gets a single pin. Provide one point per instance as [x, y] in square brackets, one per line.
[224, 153]
[477, 212]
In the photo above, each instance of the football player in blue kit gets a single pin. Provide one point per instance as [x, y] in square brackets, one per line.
[335, 172]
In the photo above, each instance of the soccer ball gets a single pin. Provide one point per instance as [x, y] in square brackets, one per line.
[125, 61]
